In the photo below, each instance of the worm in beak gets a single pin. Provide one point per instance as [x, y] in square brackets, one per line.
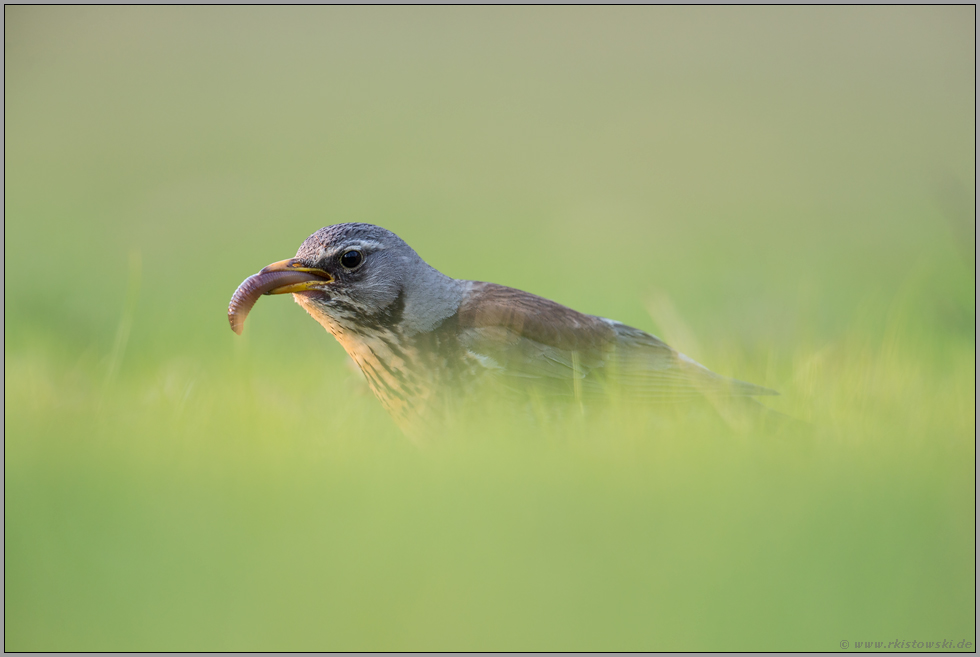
[280, 277]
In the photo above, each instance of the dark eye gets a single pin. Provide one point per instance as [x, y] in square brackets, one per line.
[351, 259]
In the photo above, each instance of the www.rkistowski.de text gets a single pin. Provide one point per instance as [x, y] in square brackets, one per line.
[908, 645]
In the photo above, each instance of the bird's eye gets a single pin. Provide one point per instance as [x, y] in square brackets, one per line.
[351, 259]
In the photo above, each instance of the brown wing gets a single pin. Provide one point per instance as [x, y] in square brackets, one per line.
[532, 341]
[492, 306]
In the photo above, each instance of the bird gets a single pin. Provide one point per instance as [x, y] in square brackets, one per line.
[429, 344]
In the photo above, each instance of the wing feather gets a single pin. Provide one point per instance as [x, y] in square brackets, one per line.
[534, 341]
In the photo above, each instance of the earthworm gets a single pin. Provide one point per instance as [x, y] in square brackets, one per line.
[255, 286]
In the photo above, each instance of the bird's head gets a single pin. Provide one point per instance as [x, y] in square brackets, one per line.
[350, 277]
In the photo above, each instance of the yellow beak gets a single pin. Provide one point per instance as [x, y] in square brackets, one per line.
[287, 284]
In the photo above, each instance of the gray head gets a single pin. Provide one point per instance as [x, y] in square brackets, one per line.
[377, 281]
[356, 279]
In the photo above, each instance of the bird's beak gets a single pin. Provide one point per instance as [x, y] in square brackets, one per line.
[312, 279]
[278, 278]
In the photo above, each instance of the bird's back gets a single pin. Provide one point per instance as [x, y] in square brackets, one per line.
[528, 342]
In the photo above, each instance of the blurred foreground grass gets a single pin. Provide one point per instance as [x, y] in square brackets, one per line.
[778, 193]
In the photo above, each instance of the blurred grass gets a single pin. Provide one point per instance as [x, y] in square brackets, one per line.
[785, 193]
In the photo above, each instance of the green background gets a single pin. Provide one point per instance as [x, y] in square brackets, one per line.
[785, 194]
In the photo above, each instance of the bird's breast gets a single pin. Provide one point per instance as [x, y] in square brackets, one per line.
[415, 376]
[412, 378]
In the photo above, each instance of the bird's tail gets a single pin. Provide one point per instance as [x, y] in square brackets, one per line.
[744, 389]
[744, 414]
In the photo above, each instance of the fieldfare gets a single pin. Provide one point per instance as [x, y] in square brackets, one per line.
[428, 344]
